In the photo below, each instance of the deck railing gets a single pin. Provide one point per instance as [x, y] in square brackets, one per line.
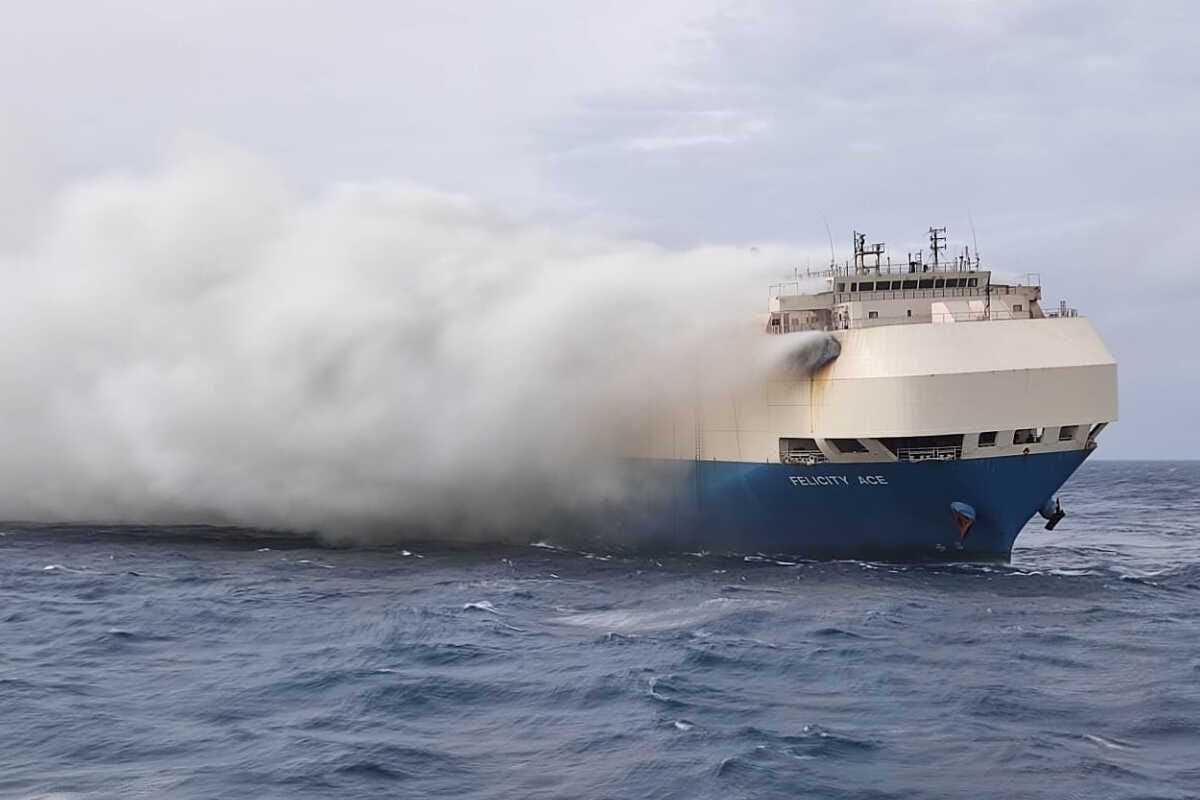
[804, 457]
[928, 453]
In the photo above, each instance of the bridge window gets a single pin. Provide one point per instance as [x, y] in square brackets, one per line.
[926, 284]
[972, 282]
[854, 287]
[866, 287]
[910, 284]
[987, 439]
[872, 315]
[939, 284]
[848, 445]
[1067, 432]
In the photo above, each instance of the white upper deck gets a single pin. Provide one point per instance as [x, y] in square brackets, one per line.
[916, 374]
[874, 291]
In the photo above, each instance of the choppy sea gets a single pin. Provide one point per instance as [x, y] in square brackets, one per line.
[206, 662]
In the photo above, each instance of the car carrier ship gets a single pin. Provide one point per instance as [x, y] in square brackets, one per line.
[950, 411]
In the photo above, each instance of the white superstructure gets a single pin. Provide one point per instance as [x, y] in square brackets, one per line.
[937, 361]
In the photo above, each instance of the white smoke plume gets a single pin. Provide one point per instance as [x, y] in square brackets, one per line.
[206, 344]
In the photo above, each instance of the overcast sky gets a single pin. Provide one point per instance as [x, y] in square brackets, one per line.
[1067, 130]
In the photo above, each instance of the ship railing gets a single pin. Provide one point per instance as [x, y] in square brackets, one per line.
[940, 317]
[804, 286]
[928, 453]
[975, 316]
[804, 457]
[889, 267]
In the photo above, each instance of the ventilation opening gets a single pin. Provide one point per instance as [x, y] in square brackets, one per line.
[945, 447]
[799, 451]
[987, 439]
[849, 446]
[1067, 432]
[1027, 435]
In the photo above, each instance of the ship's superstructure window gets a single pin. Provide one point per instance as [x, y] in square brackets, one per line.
[872, 315]
[925, 284]
[910, 284]
[866, 287]
[909, 314]
[972, 282]
[1016, 306]
[841, 287]
[799, 451]
[987, 439]
[1027, 436]
[849, 446]
[1067, 432]
[944, 447]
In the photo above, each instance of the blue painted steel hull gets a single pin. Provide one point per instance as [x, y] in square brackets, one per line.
[895, 510]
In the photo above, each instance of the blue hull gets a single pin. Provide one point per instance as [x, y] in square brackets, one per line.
[894, 510]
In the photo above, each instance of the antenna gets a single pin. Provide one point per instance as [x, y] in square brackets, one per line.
[916, 261]
[974, 241]
[832, 255]
[937, 243]
[861, 251]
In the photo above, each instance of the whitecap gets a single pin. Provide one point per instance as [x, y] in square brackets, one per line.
[683, 725]
[626, 620]
[482, 605]
[1108, 743]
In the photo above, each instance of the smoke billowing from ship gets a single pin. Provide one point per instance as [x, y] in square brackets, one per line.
[206, 344]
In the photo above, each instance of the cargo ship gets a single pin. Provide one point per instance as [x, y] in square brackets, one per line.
[949, 411]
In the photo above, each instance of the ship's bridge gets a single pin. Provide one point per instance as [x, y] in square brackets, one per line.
[874, 291]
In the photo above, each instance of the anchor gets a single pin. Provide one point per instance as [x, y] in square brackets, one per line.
[1052, 512]
[964, 518]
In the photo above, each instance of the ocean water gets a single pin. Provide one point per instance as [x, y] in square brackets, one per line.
[202, 662]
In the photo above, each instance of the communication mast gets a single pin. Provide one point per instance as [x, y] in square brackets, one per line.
[937, 243]
[861, 251]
